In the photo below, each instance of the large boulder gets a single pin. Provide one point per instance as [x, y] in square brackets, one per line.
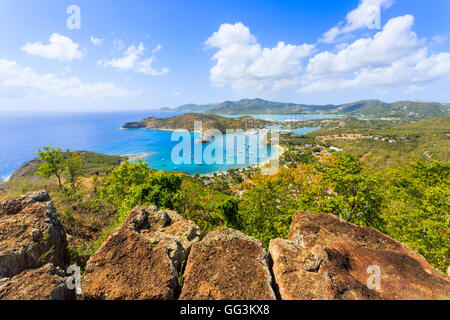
[228, 264]
[142, 259]
[46, 283]
[327, 258]
[31, 234]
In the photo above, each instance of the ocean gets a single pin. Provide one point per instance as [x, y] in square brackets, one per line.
[22, 135]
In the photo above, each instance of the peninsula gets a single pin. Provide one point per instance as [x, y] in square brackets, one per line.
[209, 121]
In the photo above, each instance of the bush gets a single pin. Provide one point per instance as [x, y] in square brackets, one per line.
[133, 184]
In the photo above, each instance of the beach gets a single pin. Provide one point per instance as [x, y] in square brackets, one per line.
[281, 151]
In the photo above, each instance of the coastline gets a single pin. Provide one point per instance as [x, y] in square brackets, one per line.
[281, 151]
[261, 165]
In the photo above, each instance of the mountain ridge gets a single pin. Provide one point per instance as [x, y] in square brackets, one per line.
[368, 108]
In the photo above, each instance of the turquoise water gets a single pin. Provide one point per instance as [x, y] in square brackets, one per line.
[21, 135]
[299, 131]
[248, 151]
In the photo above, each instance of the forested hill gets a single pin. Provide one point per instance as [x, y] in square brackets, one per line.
[186, 121]
[363, 108]
[259, 106]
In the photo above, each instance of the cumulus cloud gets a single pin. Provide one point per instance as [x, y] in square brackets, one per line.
[59, 47]
[25, 82]
[365, 16]
[244, 64]
[394, 57]
[394, 41]
[96, 41]
[132, 60]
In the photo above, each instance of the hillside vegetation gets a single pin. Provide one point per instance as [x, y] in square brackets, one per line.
[363, 108]
[92, 163]
[186, 121]
[388, 143]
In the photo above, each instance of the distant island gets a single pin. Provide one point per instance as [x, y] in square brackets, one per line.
[363, 108]
[209, 121]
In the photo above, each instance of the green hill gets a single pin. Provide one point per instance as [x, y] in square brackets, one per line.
[260, 106]
[377, 108]
[186, 121]
[363, 108]
[93, 163]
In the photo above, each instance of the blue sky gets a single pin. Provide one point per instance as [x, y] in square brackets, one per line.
[130, 55]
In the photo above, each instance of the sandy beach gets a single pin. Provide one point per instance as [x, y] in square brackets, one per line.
[280, 153]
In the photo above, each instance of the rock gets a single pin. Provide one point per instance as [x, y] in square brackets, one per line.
[30, 235]
[327, 258]
[26, 170]
[45, 283]
[10, 206]
[39, 196]
[36, 235]
[227, 264]
[142, 259]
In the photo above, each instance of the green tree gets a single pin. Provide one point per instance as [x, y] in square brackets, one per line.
[52, 160]
[229, 211]
[134, 183]
[354, 194]
[417, 209]
[160, 189]
[73, 168]
[266, 208]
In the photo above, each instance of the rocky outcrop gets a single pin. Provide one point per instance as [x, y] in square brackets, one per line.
[26, 170]
[151, 253]
[30, 234]
[142, 259]
[327, 258]
[46, 283]
[228, 264]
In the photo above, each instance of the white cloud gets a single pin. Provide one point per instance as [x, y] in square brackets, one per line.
[25, 82]
[438, 40]
[59, 47]
[157, 48]
[96, 41]
[244, 64]
[132, 61]
[393, 58]
[366, 15]
[394, 41]
[118, 44]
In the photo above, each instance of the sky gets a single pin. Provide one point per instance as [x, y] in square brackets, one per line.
[101, 55]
